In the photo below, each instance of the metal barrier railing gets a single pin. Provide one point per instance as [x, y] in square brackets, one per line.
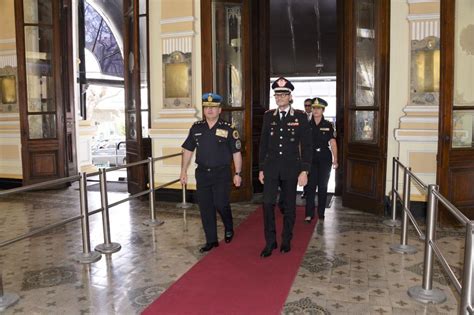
[394, 222]
[426, 293]
[7, 299]
[403, 247]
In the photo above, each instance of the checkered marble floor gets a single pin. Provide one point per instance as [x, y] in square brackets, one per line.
[347, 269]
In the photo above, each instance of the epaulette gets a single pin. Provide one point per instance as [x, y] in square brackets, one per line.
[223, 122]
[199, 122]
[299, 111]
[270, 110]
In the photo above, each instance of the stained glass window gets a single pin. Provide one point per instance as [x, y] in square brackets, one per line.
[100, 40]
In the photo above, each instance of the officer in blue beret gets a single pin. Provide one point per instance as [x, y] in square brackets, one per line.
[216, 143]
[324, 156]
[284, 160]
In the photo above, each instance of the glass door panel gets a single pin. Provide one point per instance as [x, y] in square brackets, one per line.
[227, 63]
[40, 72]
[463, 96]
[37, 11]
[363, 107]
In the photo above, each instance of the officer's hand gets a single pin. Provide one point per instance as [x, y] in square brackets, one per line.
[303, 179]
[335, 165]
[260, 177]
[183, 178]
[237, 180]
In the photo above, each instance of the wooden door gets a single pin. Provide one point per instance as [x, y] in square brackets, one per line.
[226, 71]
[136, 91]
[365, 94]
[455, 174]
[40, 79]
[68, 88]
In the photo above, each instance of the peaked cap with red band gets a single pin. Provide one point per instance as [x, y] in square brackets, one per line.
[282, 85]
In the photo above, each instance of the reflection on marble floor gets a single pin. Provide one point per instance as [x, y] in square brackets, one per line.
[347, 269]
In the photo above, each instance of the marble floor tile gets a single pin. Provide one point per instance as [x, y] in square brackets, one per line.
[348, 267]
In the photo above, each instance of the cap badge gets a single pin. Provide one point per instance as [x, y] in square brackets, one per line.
[281, 82]
[209, 98]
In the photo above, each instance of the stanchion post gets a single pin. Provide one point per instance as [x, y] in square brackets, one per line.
[151, 195]
[467, 279]
[86, 257]
[394, 222]
[184, 205]
[6, 299]
[107, 247]
[403, 247]
[426, 293]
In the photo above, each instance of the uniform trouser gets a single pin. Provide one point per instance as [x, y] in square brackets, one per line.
[281, 199]
[318, 177]
[213, 190]
[270, 190]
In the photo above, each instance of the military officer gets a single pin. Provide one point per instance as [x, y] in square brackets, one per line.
[217, 143]
[307, 108]
[284, 160]
[324, 156]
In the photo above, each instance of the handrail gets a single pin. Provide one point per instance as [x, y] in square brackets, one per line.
[38, 231]
[426, 293]
[458, 214]
[49, 183]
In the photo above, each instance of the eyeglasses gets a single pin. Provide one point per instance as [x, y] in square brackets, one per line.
[280, 95]
[307, 105]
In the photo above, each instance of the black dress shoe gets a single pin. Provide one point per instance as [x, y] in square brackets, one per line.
[285, 247]
[228, 236]
[321, 216]
[208, 247]
[267, 251]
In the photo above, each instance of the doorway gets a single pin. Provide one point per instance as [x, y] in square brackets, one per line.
[102, 83]
[303, 48]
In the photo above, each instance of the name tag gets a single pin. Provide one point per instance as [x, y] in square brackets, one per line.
[198, 134]
[324, 129]
[222, 133]
[294, 124]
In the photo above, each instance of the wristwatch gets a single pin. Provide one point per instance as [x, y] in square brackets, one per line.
[238, 174]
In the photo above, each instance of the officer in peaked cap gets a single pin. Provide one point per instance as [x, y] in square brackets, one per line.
[216, 143]
[324, 156]
[284, 160]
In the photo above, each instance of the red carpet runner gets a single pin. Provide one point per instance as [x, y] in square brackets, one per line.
[233, 279]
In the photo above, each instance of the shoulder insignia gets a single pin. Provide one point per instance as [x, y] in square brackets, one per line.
[223, 122]
[270, 111]
[235, 134]
[199, 122]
